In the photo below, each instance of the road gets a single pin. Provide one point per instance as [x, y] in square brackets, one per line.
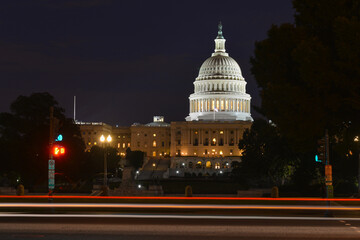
[146, 227]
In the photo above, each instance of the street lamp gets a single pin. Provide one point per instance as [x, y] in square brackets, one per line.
[102, 139]
[356, 139]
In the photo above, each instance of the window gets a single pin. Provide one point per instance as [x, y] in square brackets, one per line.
[221, 132]
[206, 142]
[221, 152]
[128, 144]
[154, 134]
[123, 145]
[231, 132]
[119, 136]
[179, 142]
[198, 164]
[190, 165]
[206, 152]
[124, 136]
[217, 165]
[118, 145]
[206, 132]
[145, 135]
[221, 142]
[208, 164]
[162, 143]
[154, 144]
[154, 154]
[213, 142]
[231, 143]
[196, 142]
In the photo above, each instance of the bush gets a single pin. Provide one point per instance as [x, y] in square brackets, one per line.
[275, 192]
[20, 190]
[188, 191]
[105, 191]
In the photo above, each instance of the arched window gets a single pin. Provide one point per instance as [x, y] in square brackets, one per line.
[217, 165]
[198, 164]
[213, 142]
[208, 164]
[191, 165]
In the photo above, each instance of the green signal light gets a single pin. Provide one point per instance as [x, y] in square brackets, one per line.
[317, 158]
[59, 138]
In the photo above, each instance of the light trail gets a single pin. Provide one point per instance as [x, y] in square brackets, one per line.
[165, 216]
[173, 206]
[180, 198]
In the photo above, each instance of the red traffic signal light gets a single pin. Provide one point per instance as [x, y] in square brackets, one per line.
[58, 150]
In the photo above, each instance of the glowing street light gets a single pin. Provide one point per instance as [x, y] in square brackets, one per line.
[108, 140]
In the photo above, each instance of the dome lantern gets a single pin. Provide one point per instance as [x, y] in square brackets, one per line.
[220, 43]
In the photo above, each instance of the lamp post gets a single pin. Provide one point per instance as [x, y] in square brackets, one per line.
[356, 139]
[102, 139]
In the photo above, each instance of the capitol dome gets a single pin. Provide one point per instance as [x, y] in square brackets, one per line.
[220, 66]
[219, 89]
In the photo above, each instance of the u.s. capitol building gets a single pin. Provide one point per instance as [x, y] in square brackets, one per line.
[207, 142]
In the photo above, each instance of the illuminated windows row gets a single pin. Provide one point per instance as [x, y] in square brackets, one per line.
[208, 105]
[203, 164]
[123, 145]
[206, 152]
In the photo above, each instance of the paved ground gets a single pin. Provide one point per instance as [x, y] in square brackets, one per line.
[174, 229]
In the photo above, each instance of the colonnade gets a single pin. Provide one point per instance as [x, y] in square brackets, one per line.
[219, 86]
[226, 105]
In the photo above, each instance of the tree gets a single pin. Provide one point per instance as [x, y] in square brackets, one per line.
[95, 161]
[267, 158]
[24, 139]
[308, 71]
[134, 158]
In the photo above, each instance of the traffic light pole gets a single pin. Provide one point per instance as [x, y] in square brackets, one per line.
[328, 174]
[51, 164]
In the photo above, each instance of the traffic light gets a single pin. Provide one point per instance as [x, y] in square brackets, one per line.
[321, 151]
[58, 150]
[59, 138]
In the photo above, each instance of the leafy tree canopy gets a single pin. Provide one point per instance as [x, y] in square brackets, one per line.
[95, 161]
[24, 139]
[134, 158]
[267, 158]
[309, 71]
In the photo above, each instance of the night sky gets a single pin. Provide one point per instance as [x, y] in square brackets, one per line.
[125, 60]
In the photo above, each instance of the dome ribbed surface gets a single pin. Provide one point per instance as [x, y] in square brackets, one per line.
[218, 67]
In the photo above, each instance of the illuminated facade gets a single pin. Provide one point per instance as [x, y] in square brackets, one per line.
[219, 89]
[207, 142]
